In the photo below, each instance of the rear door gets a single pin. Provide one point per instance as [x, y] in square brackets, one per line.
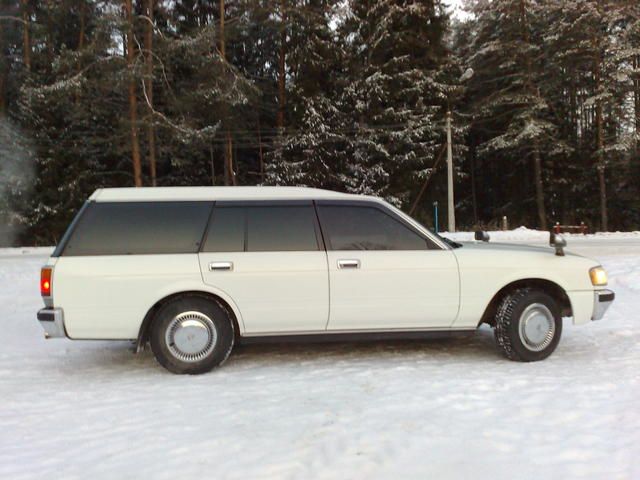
[270, 259]
[383, 273]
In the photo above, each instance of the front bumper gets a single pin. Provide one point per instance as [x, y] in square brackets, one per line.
[52, 320]
[602, 300]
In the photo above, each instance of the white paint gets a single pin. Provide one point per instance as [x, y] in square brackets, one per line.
[394, 290]
[107, 297]
[275, 291]
[133, 194]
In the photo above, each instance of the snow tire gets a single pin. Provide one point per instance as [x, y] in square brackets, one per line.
[507, 320]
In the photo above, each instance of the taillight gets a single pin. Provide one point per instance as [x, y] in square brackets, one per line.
[45, 281]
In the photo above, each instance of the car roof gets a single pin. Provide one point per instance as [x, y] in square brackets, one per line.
[133, 194]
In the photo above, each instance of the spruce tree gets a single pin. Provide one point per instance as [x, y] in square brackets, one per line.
[396, 96]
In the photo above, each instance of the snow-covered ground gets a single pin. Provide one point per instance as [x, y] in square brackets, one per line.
[430, 409]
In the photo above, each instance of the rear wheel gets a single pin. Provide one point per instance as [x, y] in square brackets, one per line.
[191, 334]
[528, 325]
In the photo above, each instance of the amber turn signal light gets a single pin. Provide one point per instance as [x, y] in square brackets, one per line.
[598, 276]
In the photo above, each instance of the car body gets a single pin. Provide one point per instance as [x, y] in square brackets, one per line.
[290, 262]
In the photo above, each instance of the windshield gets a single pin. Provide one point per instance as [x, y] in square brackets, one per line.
[446, 240]
[449, 242]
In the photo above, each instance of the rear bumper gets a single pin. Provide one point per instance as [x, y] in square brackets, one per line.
[602, 300]
[52, 320]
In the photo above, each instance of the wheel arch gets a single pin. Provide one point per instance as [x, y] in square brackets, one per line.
[550, 287]
[145, 326]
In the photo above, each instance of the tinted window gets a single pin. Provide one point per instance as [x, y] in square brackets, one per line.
[281, 229]
[122, 228]
[226, 231]
[366, 228]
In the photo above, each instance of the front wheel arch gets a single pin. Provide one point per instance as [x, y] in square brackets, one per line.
[552, 289]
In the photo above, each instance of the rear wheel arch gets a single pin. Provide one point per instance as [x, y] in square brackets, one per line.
[145, 326]
[549, 287]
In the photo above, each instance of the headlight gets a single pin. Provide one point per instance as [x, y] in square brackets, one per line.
[598, 276]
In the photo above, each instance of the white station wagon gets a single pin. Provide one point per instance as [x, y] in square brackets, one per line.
[194, 270]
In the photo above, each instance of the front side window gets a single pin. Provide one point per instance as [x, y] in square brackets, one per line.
[366, 228]
[137, 228]
[269, 228]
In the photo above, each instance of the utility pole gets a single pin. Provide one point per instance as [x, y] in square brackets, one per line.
[450, 209]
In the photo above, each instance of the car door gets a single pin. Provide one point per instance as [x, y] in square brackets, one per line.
[383, 272]
[269, 258]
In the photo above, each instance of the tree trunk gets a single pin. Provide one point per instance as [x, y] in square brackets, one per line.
[223, 49]
[229, 161]
[281, 66]
[597, 66]
[151, 130]
[636, 98]
[213, 166]
[229, 174]
[133, 103]
[26, 40]
[81, 35]
[260, 153]
[537, 174]
[3, 75]
[474, 198]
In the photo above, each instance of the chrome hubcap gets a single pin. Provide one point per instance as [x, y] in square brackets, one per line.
[191, 336]
[537, 327]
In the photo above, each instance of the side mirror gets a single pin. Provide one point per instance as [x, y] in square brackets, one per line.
[481, 235]
[557, 242]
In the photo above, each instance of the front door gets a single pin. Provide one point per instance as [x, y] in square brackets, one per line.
[383, 273]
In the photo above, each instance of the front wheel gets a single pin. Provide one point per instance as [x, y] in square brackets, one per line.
[528, 325]
[191, 334]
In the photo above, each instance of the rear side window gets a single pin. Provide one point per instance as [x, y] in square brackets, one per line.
[366, 228]
[281, 229]
[137, 228]
[269, 228]
[226, 231]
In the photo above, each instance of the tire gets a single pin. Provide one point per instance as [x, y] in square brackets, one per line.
[191, 334]
[528, 325]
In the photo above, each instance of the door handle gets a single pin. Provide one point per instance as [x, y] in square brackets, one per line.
[351, 263]
[220, 266]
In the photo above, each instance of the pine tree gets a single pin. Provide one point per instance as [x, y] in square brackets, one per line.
[511, 116]
[312, 153]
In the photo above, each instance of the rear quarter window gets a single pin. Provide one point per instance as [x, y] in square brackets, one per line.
[138, 228]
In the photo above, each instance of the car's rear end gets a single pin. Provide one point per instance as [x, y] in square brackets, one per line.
[50, 317]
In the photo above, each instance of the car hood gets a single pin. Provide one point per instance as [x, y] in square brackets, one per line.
[512, 247]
